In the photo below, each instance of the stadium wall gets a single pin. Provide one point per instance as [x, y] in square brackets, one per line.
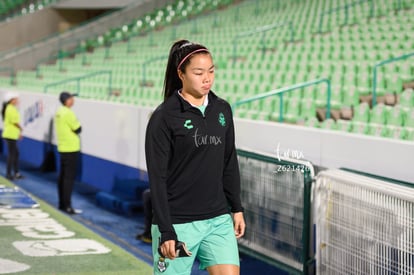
[16, 33]
[93, 4]
[113, 142]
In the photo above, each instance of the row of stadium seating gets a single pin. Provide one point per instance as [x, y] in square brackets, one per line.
[10, 8]
[373, 129]
[171, 14]
[264, 61]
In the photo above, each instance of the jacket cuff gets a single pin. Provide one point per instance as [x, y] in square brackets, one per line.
[168, 236]
[237, 209]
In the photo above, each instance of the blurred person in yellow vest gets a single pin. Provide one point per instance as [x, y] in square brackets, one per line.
[67, 128]
[12, 132]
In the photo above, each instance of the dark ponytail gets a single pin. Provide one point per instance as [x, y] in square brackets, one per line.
[3, 109]
[180, 54]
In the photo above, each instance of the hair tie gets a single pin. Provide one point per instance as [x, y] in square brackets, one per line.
[188, 55]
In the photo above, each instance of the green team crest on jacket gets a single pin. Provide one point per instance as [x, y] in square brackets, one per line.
[222, 119]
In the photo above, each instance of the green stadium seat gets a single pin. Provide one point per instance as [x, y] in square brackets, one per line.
[361, 112]
[409, 134]
[396, 132]
[329, 124]
[344, 125]
[397, 116]
[308, 108]
[350, 96]
[379, 130]
[380, 114]
[407, 98]
[312, 122]
[292, 110]
[409, 118]
[360, 127]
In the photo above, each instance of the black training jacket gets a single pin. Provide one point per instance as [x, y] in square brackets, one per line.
[192, 163]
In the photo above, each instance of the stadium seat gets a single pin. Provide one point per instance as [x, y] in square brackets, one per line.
[380, 114]
[409, 134]
[361, 112]
[409, 118]
[397, 116]
[329, 124]
[308, 109]
[312, 122]
[396, 132]
[293, 110]
[407, 98]
[359, 127]
[350, 96]
[378, 129]
[344, 125]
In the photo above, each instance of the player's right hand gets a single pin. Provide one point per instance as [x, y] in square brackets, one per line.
[168, 249]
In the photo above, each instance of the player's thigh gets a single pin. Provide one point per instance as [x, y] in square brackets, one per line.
[219, 247]
[223, 269]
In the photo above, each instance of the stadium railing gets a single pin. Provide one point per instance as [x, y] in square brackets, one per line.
[375, 73]
[363, 225]
[276, 195]
[281, 91]
[261, 30]
[346, 11]
[78, 80]
[11, 73]
[144, 81]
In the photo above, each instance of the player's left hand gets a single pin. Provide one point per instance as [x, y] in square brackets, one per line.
[239, 224]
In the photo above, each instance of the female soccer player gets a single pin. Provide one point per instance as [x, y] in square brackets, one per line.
[193, 169]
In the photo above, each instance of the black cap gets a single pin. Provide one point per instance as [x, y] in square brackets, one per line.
[65, 96]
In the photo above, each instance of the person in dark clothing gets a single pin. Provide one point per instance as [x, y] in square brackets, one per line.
[145, 236]
[68, 129]
[12, 132]
[193, 169]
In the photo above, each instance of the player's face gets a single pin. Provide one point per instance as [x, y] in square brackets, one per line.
[70, 102]
[15, 101]
[199, 75]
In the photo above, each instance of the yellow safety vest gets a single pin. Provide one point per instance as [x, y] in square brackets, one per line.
[65, 124]
[11, 118]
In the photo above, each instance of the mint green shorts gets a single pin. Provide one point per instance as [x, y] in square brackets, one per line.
[211, 241]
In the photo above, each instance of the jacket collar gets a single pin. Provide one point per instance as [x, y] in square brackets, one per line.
[185, 106]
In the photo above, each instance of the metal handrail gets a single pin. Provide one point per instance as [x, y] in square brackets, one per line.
[374, 73]
[262, 30]
[281, 91]
[346, 8]
[11, 71]
[79, 78]
[146, 63]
